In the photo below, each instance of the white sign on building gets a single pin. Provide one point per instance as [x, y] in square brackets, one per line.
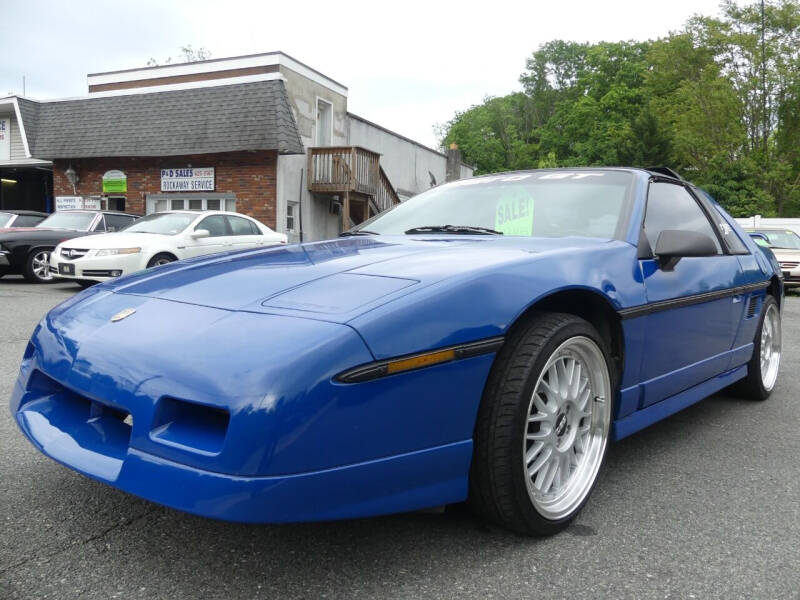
[77, 203]
[188, 179]
[5, 139]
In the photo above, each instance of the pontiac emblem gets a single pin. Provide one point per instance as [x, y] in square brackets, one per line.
[123, 314]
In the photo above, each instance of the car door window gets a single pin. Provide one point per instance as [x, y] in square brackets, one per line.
[27, 220]
[215, 224]
[117, 222]
[670, 206]
[240, 226]
[100, 225]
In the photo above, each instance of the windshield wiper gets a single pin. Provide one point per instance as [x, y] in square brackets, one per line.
[469, 229]
[358, 232]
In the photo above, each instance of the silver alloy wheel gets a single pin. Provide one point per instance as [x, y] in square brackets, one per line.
[41, 265]
[569, 418]
[770, 347]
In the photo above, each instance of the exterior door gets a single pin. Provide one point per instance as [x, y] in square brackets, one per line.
[324, 122]
[219, 238]
[693, 319]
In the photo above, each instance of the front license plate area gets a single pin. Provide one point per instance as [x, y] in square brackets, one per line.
[66, 269]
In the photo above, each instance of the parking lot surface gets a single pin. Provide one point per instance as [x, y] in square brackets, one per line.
[703, 505]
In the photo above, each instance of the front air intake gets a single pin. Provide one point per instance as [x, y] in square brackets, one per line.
[191, 426]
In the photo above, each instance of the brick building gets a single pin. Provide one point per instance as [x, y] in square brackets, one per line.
[264, 135]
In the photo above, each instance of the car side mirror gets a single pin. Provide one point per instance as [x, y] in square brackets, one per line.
[673, 245]
[200, 233]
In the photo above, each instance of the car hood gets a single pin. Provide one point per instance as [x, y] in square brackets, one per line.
[339, 279]
[118, 239]
[786, 254]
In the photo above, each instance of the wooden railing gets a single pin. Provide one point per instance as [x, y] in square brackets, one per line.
[386, 197]
[343, 169]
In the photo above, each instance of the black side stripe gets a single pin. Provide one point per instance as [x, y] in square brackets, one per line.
[646, 309]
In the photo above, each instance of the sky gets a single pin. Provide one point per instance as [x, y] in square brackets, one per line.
[409, 65]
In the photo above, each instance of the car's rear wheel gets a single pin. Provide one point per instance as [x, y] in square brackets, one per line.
[160, 259]
[762, 370]
[543, 426]
[37, 266]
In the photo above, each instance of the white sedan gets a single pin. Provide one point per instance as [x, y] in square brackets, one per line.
[158, 239]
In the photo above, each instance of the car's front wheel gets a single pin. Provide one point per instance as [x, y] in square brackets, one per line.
[37, 266]
[543, 426]
[160, 259]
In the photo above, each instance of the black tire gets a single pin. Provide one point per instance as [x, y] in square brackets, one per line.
[753, 386]
[160, 259]
[499, 486]
[33, 266]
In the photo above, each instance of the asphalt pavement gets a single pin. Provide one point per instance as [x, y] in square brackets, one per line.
[703, 505]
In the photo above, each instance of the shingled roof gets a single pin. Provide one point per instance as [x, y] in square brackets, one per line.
[205, 120]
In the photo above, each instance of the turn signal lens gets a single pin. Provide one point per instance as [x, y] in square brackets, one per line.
[115, 251]
[421, 360]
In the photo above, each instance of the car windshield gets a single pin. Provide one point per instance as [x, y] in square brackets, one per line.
[79, 221]
[162, 223]
[781, 238]
[5, 218]
[533, 204]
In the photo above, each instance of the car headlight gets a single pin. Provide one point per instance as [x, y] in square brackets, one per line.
[115, 251]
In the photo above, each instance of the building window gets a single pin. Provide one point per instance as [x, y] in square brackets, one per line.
[290, 213]
[162, 204]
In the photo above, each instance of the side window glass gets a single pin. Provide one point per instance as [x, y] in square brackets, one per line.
[26, 221]
[117, 222]
[215, 225]
[729, 235]
[101, 224]
[670, 206]
[240, 226]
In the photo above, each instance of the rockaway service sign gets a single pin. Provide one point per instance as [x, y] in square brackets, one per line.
[188, 179]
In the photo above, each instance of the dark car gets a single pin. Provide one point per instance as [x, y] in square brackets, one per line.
[20, 218]
[27, 250]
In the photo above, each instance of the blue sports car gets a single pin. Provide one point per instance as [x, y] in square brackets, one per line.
[483, 341]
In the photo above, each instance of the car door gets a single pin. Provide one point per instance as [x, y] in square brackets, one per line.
[244, 233]
[218, 240]
[692, 316]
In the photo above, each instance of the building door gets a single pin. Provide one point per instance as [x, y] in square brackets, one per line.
[324, 122]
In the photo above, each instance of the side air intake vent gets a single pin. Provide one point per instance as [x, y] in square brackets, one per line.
[751, 306]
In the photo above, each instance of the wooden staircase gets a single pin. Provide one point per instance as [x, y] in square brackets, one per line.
[354, 174]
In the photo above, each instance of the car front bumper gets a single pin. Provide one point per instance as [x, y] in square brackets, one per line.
[791, 275]
[97, 448]
[136, 403]
[96, 268]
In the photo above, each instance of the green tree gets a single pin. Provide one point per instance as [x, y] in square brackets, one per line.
[719, 101]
